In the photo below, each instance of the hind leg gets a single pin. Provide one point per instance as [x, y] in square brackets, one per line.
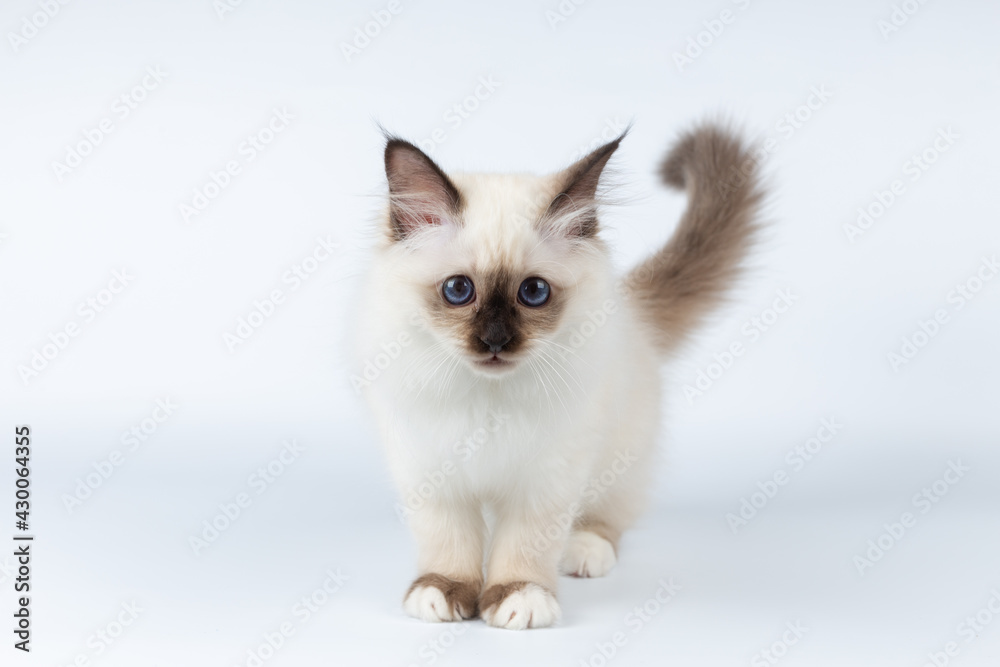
[591, 551]
[614, 495]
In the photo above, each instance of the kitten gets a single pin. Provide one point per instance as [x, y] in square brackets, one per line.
[515, 378]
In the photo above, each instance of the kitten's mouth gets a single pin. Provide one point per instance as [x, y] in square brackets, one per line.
[494, 362]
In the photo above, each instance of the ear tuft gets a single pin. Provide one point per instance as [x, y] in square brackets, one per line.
[420, 193]
[576, 204]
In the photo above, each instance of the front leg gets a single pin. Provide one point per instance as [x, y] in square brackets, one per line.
[449, 536]
[522, 573]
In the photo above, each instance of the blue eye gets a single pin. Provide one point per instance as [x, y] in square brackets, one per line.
[458, 290]
[534, 292]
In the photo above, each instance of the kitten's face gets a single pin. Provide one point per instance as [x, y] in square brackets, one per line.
[495, 261]
[498, 284]
[497, 328]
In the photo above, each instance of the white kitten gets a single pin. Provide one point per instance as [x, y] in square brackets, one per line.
[514, 377]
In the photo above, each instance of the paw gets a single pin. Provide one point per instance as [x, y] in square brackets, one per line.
[436, 598]
[519, 605]
[587, 554]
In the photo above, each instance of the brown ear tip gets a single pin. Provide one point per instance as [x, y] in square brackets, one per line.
[616, 142]
[603, 154]
[625, 133]
[394, 143]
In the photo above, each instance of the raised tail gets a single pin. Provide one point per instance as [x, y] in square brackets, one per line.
[680, 284]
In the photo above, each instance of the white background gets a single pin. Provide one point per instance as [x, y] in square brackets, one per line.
[560, 86]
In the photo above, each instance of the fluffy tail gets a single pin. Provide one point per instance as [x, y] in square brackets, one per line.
[679, 285]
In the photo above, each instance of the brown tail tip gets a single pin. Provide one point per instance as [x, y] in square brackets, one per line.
[673, 168]
[708, 150]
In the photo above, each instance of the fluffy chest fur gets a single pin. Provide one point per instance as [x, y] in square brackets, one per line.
[490, 435]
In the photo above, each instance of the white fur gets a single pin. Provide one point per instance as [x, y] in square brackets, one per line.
[530, 607]
[587, 555]
[571, 414]
[428, 604]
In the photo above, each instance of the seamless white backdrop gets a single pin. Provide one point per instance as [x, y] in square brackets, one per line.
[555, 87]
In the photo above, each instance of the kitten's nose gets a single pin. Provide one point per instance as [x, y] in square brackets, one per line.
[496, 340]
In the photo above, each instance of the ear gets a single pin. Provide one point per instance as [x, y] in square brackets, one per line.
[575, 206]
[420, 194]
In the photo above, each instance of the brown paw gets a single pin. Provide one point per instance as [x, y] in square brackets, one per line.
[519, 605]
[434, 597]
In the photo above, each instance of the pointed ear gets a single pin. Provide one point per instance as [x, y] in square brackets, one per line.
[575, 207]
[420, 194]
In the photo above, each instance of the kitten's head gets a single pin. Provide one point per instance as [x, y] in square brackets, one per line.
[498, 265]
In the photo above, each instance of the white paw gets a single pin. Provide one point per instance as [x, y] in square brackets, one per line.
[529, 607]
[429, 604]
[587, 555]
